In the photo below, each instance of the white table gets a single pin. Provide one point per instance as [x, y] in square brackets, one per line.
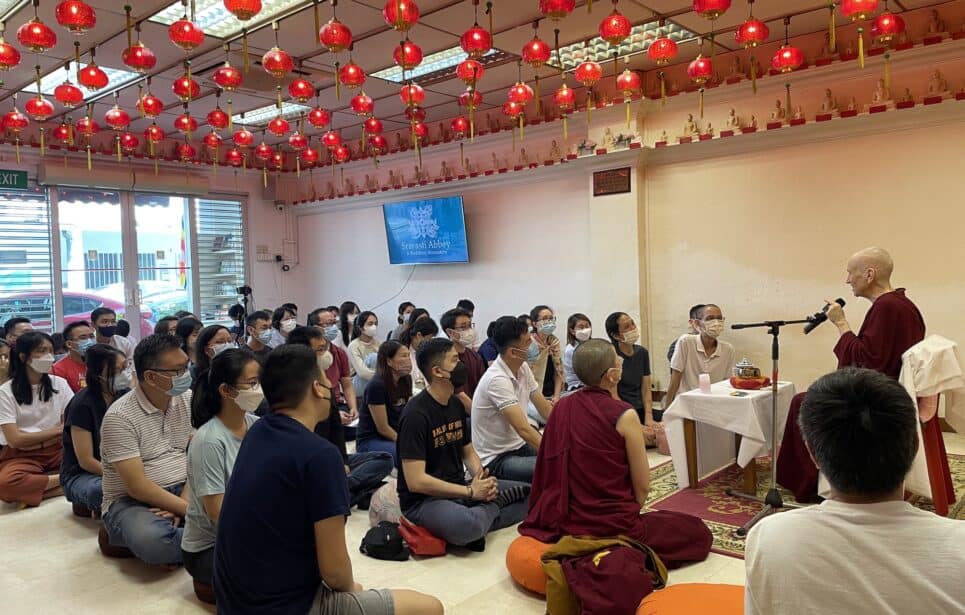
[748, 415]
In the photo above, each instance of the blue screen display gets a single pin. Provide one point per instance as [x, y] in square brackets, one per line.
[426, 231]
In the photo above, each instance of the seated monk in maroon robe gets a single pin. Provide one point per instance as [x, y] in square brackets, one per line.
[592, 476]
[891, 326]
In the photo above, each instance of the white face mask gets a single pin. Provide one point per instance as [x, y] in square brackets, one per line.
[249, 399]
[264, 337]
[370, 330]
[42, 364]
[631, 336]
[714, 328]
[121, 381]
[325, 360]
[288, 325]
[466, 337]
[582, 335]
[405, 317]
[219, 348]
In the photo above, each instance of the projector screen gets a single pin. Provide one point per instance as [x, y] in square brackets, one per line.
[429, 231]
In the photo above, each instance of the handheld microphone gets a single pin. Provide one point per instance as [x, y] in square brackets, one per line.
[820, 317]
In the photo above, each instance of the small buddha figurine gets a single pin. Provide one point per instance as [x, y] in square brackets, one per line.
[443, 132]
[690, 128]
[778, 113]
[349, 186]
[555, 153]
[495, 162]
[849, 50]
[881, 95]
[709, 130]
[608, 142]
[935, 23]
[445, 172]
[736, 70]
[829, 104]
[733, 122]
[852, 104]
[399, 143]
[368, 182]
[907, 96]
[392, 180]
[757, 68]
[467, 166]
[753, 122]
[331, 190]
[937, 86]
[826, 51]
[799, 113]
[663, 136]
[523, 158]
[492, 123]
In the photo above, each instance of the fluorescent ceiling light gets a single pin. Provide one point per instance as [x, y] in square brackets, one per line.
[639, 40]
[49, 82]
[7, 8]
[215, 19]
[441, 61]
[262, 115]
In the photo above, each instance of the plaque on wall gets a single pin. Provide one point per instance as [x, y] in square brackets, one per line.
[611, 181]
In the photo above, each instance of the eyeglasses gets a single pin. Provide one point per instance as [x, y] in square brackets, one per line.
[471, 325]
[177, 372]
[244, 386]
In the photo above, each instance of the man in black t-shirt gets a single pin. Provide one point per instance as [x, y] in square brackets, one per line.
[433, 445]
[281, 533]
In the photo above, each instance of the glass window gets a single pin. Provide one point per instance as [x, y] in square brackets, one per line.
[221, 257]
[26, 270]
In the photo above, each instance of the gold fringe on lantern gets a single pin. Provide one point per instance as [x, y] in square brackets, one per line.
[628, 111]
[341, 176]
[17, 146]
[264, 175]
[230, 122]
[539, 103]
[663, 89]
[888, 71]
[753, 74]
[832, 29]
[244, 162]
[214, 162]
[150, 143]
[42, 144]
[700, 103]
[155, 166]
[88, 157]
[589, 6]
[861, 47]
[338, 91]
[298, 166]
[787, 99]
[566, 132]
[244, 49]
[117, 141]
[589, 104]
[522, 121]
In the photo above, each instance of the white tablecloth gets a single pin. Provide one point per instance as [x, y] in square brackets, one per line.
[748, 415]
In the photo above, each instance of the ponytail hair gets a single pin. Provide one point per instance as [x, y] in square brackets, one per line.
[226, 368]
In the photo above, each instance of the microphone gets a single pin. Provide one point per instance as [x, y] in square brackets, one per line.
[820, 317]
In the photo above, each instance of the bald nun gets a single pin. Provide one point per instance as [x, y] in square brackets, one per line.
[892, 325]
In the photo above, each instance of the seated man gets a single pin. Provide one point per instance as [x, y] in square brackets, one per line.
[873, 552]
[501, 433]
[433, 445]
[340, 373]
[78, 338]
[457, 324]
[592, 477]
[104, 320]
[701, 353]
[144, 442]
[259, 332]
[281, 534]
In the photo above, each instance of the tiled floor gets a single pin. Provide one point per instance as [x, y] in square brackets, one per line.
[51, 564]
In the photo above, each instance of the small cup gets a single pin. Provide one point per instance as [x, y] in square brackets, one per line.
[705, 383]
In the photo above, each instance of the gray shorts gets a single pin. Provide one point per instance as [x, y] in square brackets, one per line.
[368, 602]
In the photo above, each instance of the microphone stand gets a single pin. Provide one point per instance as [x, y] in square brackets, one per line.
[773, 502]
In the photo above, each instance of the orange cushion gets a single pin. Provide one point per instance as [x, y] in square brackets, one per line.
[691, 598]
[524, 563]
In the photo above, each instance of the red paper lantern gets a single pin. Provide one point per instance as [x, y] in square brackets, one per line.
[662, 50]
[39, 108]
[87, 126]
[279, 126]
[588, 73]
[243, 9]
[628, 83]
[378, 143]
[277, 63]
[787, 58]
[556, 9]
[419, 129]
[186, 152]
[278, 160]
[615, 28]
[476, 41]
[335, 36]
[152, 133]
[332, 139]
[234, 157]
[400, 14]
[319, 118]
[700, 70]
[520, 93]
[373, 126]
[565, 98]
[243, 137]
[264, 151]
[117, 118]
[15, 121]
[459, 126]
[469, 70]
[68, 94]
[227, 77]
[217, 118]
[362, 104]
[408, 55]
[36, 36]
[92, 77]
[417, 114]
[184, 123]
[412, 95]
[308, 156]
[76, 16]
[536, 52]
[297, 141]
[887, 26]
[711, 9]
[859, 10]
[9, 56]
[512, 109]
[301, 90]
[212, 140]
[129, 142]
[186, 34]
[63, 133]
[342, 154]
[150, 105]
[471, 98]
[139, 57]
[186, 88]
[351, 75]
[752, 33]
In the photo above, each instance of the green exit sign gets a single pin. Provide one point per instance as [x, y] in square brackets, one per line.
[13, 180]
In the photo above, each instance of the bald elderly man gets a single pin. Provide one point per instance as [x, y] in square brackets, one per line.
[892, 325]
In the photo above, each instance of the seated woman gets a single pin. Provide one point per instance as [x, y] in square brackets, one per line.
[578, 330]
[4, 361]
[81, 470]
[211, 341]
[634, 387]
[32, 405]
[384, 399]
[414, 336]
[363, 345]
[592, 477]
[230, 395]
[187, 330]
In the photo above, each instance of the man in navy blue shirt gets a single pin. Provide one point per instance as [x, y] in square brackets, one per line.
[281, 534]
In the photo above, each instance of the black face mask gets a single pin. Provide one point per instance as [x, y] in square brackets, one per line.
[108, 331]
[459, 375]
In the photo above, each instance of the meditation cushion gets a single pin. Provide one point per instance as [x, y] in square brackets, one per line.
[384, 505]
[109, 550]
[80, 510]
[692, 598]
[204, 592]
[523, 560]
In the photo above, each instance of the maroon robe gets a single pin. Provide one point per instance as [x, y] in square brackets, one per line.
[582, 485]
[891, 326]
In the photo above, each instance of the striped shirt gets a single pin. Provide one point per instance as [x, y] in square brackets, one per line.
[134, 427]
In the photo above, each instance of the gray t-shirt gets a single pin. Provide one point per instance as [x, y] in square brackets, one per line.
[211, 458]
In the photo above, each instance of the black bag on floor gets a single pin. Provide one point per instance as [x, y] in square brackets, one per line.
[385, 542]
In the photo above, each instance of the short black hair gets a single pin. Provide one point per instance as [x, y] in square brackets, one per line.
[58, 339]
[74, 325]
[695, 311]
[162, 324]
[612, 325]
[123, 328]
[236, 312]
[404, 306]
[101, 361]
[331, 308]
[202, 361]
[506, 330]
[448, 320]
[101, 311]
[183, 314]
[149, 349]
[861, 428]
[312, 318]
[291, 307]
[703, 310]
[254, 317]
[426, 327]
[466, 304]
[431, 354]
[279, 315]
[305, 335]
[287, 375]
[534, 313]
[13, 322]
[186, 327]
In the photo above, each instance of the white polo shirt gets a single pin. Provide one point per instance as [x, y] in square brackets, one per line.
[125, 345]
[690, 358]
[498, 389]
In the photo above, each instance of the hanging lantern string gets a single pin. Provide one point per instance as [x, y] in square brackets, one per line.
[192, 10]
[127, 19]
[318, 25]
[861, 46]
[888, 72]
[489, 11]
[244, 49]
[77, 57]
[832, 28]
